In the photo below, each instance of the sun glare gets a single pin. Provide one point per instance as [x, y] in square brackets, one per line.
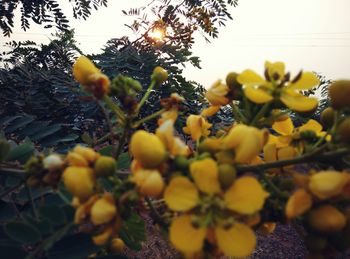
[157, 34]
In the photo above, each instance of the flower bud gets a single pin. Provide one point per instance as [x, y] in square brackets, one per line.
[148, 149]
[105, 166]
[52, 162]
[117, 245]
[231, 80]
[326, 184]
[327, 117]
[227, 174]
[160, 75]
[75, 159]
[103, 210]
[152, 185]
[88, 153]
[344, 130]
[79, 181]
[339, 93]
[327, 219]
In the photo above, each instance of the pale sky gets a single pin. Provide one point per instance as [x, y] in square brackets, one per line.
[305, 34]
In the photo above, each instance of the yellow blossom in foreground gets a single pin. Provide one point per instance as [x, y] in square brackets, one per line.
[197, 126]
[149, 182]
[148, 149]
[245, 196]
[298, 203]
[206, 175]
[246, 141]
[326, 184]
[327, 219]
[87, 74]
[259, 90]
[79, 181]
[103, 210]
[217, 93]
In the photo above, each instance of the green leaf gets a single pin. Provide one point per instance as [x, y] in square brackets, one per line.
[124, 161]
[76, 246]
[46, 132]
[13, 252]
[106, 151]
[86, 138]
[22, 232]
[133, 232]
[54, 214]
[12, 181]
[19, 123]
[44, 225]
[4, 149]
[21, 153]
[69, 138]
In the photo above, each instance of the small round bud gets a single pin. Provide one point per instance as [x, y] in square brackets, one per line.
[327, 219]
[227, 174]
[105, 166]
[231, 80]
[344, 130]
[327, 117]
[117, 245]
[339, 93]
[181, 162]
[52, 162]
[160, 75]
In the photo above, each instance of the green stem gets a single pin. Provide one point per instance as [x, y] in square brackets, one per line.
[32, 203]
[260, 114]
[155, 213]
[237, 113]
[145, 97]
[114, 107]
[149, 117]
[275, 189]
[122, 141]
[310, 157]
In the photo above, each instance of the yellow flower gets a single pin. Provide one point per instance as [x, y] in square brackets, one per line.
[149, 182]
[88, 153]
[245, 196]
[217, 93]
[326, 184]
[181, 194]
[87, 74]
[79, 181]
[197, 126]
[174, 145]
[103, 210]
[298, 203]
[246, 141]
[205, 174]
[148, 149]
[276, 86]
[117, 245]
[327, 219]
[210, 111]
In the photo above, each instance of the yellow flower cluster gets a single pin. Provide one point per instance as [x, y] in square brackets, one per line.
[315, 195]
[84, 165]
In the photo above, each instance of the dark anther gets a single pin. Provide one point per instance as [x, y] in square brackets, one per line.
[297, 77]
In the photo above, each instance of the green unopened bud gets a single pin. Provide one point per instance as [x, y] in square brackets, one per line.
[34, 165]
[4, 149]
[105, 166]
[181, 162]
[327, 117]
[231, 80]
[308, 135]
[339, 93]
[344, 130]
[227, 174]
[160, 75]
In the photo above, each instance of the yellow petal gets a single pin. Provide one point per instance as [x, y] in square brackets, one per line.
[311, 125]
[285, 127]
[257, 95]
[216, 94]
[103, 211]
[184, 236]
[210, 111]
[245, 196]
[275, 68]
[83, 68]
[298, 203]
[326, 184]
[307, 81]
[197, 126]
[249, 77]
[79, 181]
[327, 219]
[286, 153]
[270, 153]
[205, 174]
[181, 194]
[237, 241]
[102, 238]
[299, 102]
